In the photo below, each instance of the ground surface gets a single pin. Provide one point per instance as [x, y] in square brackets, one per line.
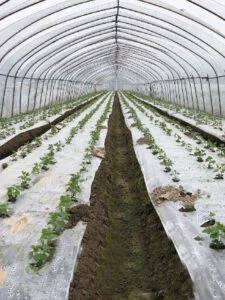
[126, 253]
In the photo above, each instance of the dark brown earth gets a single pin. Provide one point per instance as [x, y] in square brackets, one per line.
[126, 253]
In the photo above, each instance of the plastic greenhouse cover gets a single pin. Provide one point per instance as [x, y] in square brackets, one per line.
[37, 21]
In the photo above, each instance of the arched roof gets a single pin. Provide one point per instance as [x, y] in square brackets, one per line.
[104, 42]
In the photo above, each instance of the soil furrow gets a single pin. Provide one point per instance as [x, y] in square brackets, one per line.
[126, 253]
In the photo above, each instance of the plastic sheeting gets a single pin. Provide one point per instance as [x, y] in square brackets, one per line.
[55, 49]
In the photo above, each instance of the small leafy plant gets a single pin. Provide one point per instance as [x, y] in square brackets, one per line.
[210, 162]
[14, 156]
[37, 142]
[46, 160]
[4, 210]
[217, 234]
[200, 154]
[36, 169]
[220, 170]
[41, 254]
[65, 202]
[13, 192]
[25, 179]
[175, 177]
[73, 186]
[58, 146]
[167, 162]
[58, 221]
[23, 153]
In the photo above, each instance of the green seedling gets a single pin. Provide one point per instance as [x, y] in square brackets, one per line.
[68, 140]
[37, 141]
[41, 254]
[65, 202]
[175, 177]
[14, 156]
[51, 147]
[220, 170]
[155, 150]
[23, 153]
[4, 210]
[13, 192]
[53, 130]
[58, 146]
[167, 163]
[25, 179]
[200, 154]
[73, 186]
[210, 162]
[210, 145]
[58, 221]
[217, 234]
[47, 234]
[178, 138]
[46, 160]
[36, 169]
[28, 148]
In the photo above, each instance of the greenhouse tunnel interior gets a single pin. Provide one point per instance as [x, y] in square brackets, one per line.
[112, 148]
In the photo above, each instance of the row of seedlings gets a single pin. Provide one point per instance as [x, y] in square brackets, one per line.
[44, 251]
[202, 155]
[44, 163]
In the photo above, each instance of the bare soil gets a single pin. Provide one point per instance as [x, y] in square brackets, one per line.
[126, 252]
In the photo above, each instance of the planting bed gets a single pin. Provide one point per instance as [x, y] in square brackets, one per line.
[42, 205]
[210, 126]
[11, 144]
[20, 123]
[182, 220]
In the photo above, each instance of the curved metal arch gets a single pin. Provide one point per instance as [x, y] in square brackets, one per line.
[169, 68]
[62, 61]
[137, 12]
[53, 40]
[190, 18]
[133, 65]
[70, 65]
[4, 94]
[86, 66]
[52, 26]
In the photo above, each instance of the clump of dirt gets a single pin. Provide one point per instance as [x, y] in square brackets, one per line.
[126, 253]
[171, 193]
[143, 141]
[99, 152]
[103, 127]
[81, 212]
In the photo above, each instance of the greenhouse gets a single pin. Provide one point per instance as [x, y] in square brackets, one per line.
[112, 149]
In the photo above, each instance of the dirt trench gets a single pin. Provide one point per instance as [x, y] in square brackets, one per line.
[125, 252]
